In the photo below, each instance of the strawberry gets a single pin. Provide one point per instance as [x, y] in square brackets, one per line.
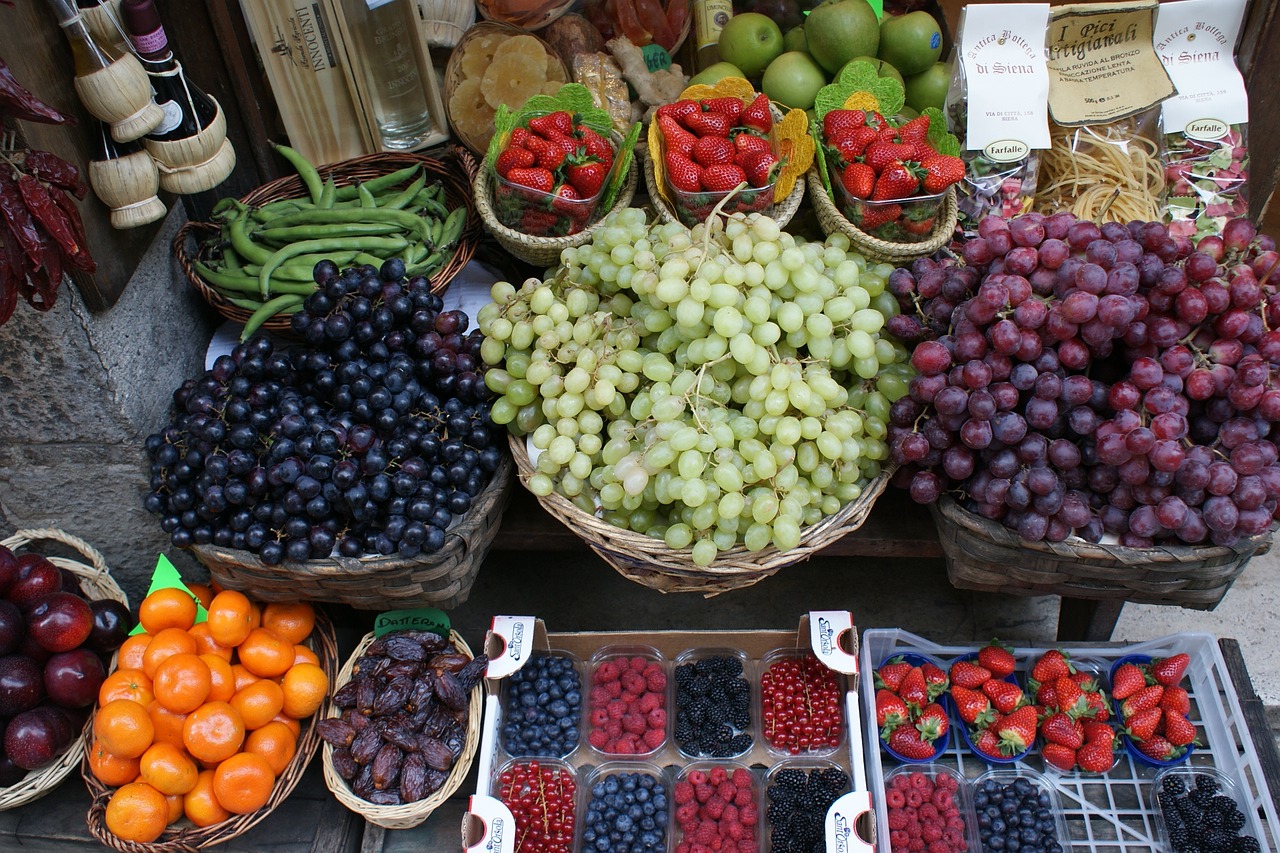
[513, 157]
[761, 167]
[594, 144]
[587, 178]
[1159, 748]
[875, 216]
[1178, 729]
[1086, 681]
[895, 182]
[906, 741]
[973, 707]
[1168, 671]
[708, 124]
[1052, 664]
[731, 107]
[941, 172]
[995, 656]
[881, 155]
[1062, 729]
[891, 711]
[889, 133]
[1096, 756]
[1017, 731]
[1126, 681]
[722, 177]
[913, 689]
[1060, 756]
[859, 180]
[891, 674]
[853, 144]
[988, 743]
[712, 150]
[875, 121]
[932, 723]
[1046, 695]
[1147, 697]
[675, 137]
[756, 115]
[558, 122]
[1096, 731]
[915, 130]
[538, 222]
[935, 678]
[918, 226]
[744, 142]
[1003, 695]
[838, 122]
[519, 136]
[564, 201]
[1069, 696]
[1142, 725]
[1098, 708]
[679, 110]
[682, 172]
[534, 178]
[547, 154]
[967, 673]
[1176, 699]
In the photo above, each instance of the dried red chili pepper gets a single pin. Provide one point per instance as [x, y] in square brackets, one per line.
[42, 290]
[49, 167]
[83, 262]
[12, 272]
[48, 214]
[19, 220]
[20, 103]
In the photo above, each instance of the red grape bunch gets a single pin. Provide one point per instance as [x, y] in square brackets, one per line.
[1091, 379]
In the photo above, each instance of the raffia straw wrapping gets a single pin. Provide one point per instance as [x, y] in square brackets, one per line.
[120, 95]
[199, 177]
[129, 186]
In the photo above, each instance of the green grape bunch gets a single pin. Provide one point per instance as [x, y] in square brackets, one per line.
[712, 387]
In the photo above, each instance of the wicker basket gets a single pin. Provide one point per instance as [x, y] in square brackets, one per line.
[183, 837]
[542, 251]
[649, 562]
[197, 240]
[97, 583]
[408, 815]
[442, 579]
[453, 74]
[833, 221]
[987, 556]
[782, 212]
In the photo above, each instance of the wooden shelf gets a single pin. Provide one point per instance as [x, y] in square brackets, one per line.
[897, 527]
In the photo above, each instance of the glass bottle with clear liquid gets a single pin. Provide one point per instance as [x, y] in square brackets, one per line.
[387, 34]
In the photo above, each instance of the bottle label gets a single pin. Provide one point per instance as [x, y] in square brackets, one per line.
[153, 42]
[710, 18]
[172, 118]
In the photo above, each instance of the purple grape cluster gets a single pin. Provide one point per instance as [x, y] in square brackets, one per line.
[367, 439]
[1089, 380]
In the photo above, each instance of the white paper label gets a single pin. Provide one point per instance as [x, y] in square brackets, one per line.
[826, 627]
[841, 824]
[498, 827]
[1002, 50]
[1196, 41]
[515, 633]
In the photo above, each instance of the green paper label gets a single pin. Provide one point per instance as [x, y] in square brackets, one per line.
[655, 57]
[418, 619]
[878, 6]
[164, 577]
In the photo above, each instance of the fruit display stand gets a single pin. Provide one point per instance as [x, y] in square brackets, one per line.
[96, 581]
[1116, 812]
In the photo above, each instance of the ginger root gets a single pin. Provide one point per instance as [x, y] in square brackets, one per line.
[653, 88]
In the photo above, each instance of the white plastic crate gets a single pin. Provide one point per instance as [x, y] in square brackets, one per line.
[1111, 813]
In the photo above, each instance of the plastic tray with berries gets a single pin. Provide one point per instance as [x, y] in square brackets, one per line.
[728, 739]
[1107, 812]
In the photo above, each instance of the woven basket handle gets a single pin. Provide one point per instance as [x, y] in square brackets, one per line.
[467, 159]
[27, 536]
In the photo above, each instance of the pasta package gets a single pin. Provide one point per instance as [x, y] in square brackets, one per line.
[1106, 84]
[997, 106]
[1206, 155]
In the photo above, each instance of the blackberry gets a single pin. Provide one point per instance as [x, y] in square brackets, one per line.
[798, 809]
[1174, 785]
[1201, 797]
[1234, 821]
[712, 707]
[1223, 804]
[1205, 782]
[1166, 801]
[1212, 819]
[1246, 844]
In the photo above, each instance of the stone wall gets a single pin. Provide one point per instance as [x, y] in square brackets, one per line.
[79, 392]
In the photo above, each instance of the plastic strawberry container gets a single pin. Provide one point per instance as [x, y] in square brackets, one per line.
[694, 207]
[540, 214]
[1039, 784]
[909, 220]
[1130, 746]
[1052, 770]
[933, 772]
[939, 745]
[631, 656]
[1012, 678]
[765, 714]
[690, 658]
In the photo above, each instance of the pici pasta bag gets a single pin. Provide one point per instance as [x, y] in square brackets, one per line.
[1206, 155]
[1106, 84]
[997, 107]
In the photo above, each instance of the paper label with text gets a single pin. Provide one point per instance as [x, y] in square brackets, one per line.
[1195, 40]
[1002, 51]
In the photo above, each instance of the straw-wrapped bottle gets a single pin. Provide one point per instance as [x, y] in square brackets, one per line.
[112, 85]
[103, 18]
[126, 179]
[190, 145]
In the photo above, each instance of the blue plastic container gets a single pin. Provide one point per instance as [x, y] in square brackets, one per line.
[1132, 748]
[939, 745]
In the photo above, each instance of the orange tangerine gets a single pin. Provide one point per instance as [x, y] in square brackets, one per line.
[126, 684]
[305, 687]
[182, 683]
[275, 742]
[124, 728]
[213, 732]
[230, 619]
[265, 653]
[131, 651]
[202, 592]
[168, 769]
[168, 725]
[243, 782]
[109, 768]
[222, 681]
[206, 644]
[137, 812]
[168, 607]
[258, 703]
[164, 645]
[291, 620]
[200, 805]
[304, 654]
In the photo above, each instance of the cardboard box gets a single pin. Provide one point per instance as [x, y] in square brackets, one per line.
[512, 640]
[305, 63]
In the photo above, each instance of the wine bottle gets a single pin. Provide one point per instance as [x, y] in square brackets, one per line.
[187, 110]
[125, 178]
[103, 18]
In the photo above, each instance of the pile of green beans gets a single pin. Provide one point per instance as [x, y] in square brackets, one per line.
[265, 255]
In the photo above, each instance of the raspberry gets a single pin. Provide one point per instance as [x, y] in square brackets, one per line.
[686, 813]
[649, 702]
[897, 820]
[947, 783]
[743, 797]
[705, 833]
[639, 664]
[913, 798]
[954, 837]
[748, 815]
[730, 814]
[697, 777]
[599, 717]
[915, 844]
[623, 747]
[598, 738]
[653, 738]
[942, 799]
[741, 777]
[955, 823]
[607, 671]
[613, 689]
[713, 808]
[616, 709]
[931, 832]
[657, 719]
[898, 839]
[913, 815]
[915, 830]
[704, 792]
[717, 775]
[656, 681]
[939, 846]
[599, 696]
[634, 682]
[634, 723]
[928, 812]
[683, 793]
[630, 698]
[614, 728]
[900, 783]
[918, 779]
[725, 790]
[894, 798]
[734, 830]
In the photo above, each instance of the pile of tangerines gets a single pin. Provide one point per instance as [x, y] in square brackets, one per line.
[199, 719]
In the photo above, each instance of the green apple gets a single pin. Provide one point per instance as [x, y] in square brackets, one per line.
[795, 40]
[751, 41]
[793, 80]
[838, 30]
[883, 69]
[929, 87]
[716, 72]
[910, 42]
